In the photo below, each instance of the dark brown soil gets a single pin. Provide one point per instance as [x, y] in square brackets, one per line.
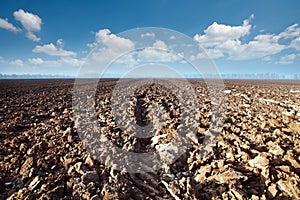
[256, 156]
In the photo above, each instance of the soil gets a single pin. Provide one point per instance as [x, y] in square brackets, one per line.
[255, 156]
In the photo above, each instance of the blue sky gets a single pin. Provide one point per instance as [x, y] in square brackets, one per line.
[54, 37]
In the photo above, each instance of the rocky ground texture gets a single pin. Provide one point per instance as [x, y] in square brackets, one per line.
[256, 156]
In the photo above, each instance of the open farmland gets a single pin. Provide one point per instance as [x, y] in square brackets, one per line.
[256, 156]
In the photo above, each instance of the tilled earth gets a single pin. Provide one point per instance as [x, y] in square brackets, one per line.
[256, 156]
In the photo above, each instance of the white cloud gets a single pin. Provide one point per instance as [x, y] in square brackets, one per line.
[52, 63]
[148, 35]
[221, 40]
[111, 47]
[290, 32]
[172, 37]
[36, 61]
[261, 46]
[17, 62]
[63, 62]
[52, 50]
[159, 44]
[45, 63]
[70, 61]
[114, 42]
[287, 59]
[107, 55]
[60, 43]
[31, 22]
[32, 37]
[158, 52]
[216, 34]
[8, 26]
[295, 44]
[154, 55]
[91, 45]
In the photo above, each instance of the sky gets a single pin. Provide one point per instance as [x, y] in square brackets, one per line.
[57, 36]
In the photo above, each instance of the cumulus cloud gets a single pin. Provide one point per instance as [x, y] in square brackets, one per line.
[53, 50]
[112, 46]
[113, 42]
[31, 22]
[66, 58]
[221, 40]
[17, 62]
[8, 26]
[216, 34]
